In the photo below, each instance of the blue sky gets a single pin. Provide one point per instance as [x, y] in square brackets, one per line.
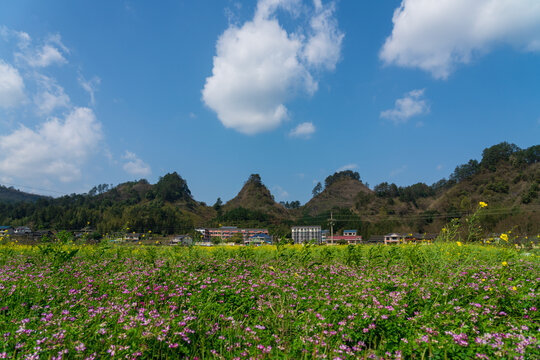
[400, 91]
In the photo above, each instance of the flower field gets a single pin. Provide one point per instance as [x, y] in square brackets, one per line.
[438, 301]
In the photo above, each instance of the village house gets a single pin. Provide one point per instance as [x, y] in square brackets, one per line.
[6, 230]
[348, 237]
[259, 239]
[184, 240]
[226, 232]
[392, 238]
[133, 237]
[22, 230]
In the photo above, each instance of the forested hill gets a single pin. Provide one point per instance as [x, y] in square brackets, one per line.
[506, 177]
[166, 206]
[11, 195]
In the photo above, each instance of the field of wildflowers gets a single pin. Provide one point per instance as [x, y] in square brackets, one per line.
[444, 300]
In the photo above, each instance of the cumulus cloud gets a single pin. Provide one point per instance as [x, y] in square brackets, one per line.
[50, 53]
[437, 35]
[57, 149]
[412, 104]
[348, 167]
[11, 86]
[323, 47]
[51, 96]
[304, 130]
[259, 66]
[134, 165]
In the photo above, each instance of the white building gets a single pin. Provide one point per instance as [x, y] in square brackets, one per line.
[302, 234]
[392, 238]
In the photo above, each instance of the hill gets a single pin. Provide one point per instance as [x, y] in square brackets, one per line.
[506, 177]
[12, 195]
[342, 192]
[166, 206]
[255, 198]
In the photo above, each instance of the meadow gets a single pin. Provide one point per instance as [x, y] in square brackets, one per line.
[444, 300]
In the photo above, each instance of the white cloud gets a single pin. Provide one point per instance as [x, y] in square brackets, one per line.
[259, 66]
[412, 104]
[50, 97]
[22, 38]
[323, 47]
[56, 149]
[437, 35]
[134, 165]
[280, 192]
[90, 86]
[11, 86]
[304, 130]
[50, 53]
[348, 167]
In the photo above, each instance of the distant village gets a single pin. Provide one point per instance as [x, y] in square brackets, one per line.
[230, 235]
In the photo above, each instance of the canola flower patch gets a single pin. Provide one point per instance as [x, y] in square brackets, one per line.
[441, 301]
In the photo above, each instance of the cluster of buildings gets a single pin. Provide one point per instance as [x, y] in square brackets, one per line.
[233, 233]
[249, 236]
[302, 234]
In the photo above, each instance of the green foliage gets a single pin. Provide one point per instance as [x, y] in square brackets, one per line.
[291, 205]
[465, 171]
[12, 195]
[498, 187]
[241, 214]
[491, 156]
[406, 194]
[255, 179]
[531, 194]
[317, 189]
[157, 302]
[347, 174]
[172, 187]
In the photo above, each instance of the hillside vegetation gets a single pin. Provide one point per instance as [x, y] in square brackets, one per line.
[506, 177]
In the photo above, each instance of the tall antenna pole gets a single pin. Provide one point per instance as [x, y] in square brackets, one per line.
[331, 221]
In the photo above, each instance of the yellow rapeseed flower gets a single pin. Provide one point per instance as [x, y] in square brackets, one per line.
[504, 263]
[514, 288]
[458, 243]
[482, 204]
[504, 237]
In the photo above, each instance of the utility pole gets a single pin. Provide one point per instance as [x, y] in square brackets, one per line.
[331, 221]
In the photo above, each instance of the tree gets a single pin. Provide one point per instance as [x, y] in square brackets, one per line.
[217, 206]
[237, 238]
[347, 174]
[317, 189]
[172, 187]
[255, 179]
[491, 156]
[291, 205]
[465, 171]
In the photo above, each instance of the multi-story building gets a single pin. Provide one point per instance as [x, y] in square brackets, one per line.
[393, 238]
[302, 234]
[227, 232]
[343, 239]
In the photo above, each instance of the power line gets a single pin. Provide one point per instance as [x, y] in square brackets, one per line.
[35, 188]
